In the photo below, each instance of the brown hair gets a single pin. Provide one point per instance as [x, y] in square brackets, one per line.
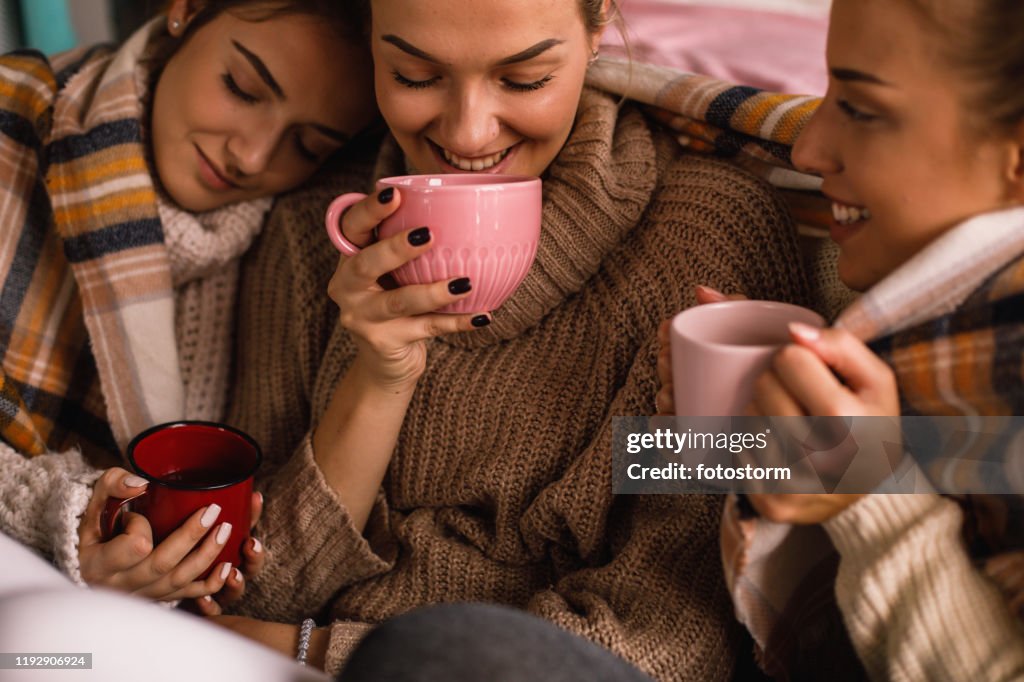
[984, 41]
[592, 12]
[348, 19]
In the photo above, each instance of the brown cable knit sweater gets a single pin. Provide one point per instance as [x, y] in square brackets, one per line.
[500, 487]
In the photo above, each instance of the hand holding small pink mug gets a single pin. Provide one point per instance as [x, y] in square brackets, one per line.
[720, 349]
[483, 226]
[191, 465]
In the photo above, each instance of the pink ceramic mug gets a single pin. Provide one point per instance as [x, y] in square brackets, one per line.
[485, 227]
[720, 349]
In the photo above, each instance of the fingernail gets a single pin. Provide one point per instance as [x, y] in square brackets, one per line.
[207, 598]
[224, 570]
[480, 321]
[804, 332]
[419, 236]
[260, 496]
[238, 575]
[223, 532]
[708, 292]
[460, 285]
[386, 195]
[209, 516]
[256, 546]
[134, 481]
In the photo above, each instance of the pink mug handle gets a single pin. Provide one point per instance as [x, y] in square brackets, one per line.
[110, 517]
[333, 220]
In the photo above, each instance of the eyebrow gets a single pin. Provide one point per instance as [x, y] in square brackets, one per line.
[261, 69]
[857, 76]
[525, 55]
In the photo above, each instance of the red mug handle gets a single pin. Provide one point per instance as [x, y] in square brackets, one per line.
[333, 220]
[110, 517]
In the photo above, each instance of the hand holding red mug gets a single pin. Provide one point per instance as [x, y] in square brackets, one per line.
[192, 499]
[171, 569]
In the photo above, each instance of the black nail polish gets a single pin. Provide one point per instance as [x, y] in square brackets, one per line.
[386, 195]
[419, 236]
[460, 285]
[480, 321]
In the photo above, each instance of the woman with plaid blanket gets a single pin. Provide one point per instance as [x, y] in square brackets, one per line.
[131, 182]
[921, 151]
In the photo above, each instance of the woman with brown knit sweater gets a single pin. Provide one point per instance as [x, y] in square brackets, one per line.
[419, 465]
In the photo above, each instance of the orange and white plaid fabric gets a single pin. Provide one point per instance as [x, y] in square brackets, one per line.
[86, 305]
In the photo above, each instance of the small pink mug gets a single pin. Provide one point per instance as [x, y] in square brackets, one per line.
[485, 227]
[720, 349]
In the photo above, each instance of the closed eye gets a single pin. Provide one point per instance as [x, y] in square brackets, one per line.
[409, 83]
[232, 86]
[853, 113]
[527, 87]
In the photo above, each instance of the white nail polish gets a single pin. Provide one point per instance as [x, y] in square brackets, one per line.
[224, 571]
[238, 575]
[134, 481]
[223, 533]
[256, 546]
[209, 516]
[207, 598]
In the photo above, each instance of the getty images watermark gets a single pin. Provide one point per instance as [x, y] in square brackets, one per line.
[957, 455]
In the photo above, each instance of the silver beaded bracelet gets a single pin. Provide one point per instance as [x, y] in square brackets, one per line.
[304, 634]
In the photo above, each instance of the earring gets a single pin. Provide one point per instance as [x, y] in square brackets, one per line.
[175, 25]
[593, 57]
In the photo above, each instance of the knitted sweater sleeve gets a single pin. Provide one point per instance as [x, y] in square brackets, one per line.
[915, 607]
[314, 548]
[42, 500]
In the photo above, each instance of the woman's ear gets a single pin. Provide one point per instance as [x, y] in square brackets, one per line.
[180, 13]
[1015, 163]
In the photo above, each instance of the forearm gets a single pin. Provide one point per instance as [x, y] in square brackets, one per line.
[355, 438]
[914, 605]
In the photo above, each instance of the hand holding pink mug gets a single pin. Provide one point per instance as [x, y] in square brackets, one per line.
[485, 227]
[720, 349]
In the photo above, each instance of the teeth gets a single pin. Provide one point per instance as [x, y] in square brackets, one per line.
[476, 164]
[848, 215]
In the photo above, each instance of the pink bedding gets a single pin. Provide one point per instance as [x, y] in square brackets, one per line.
[767, 49]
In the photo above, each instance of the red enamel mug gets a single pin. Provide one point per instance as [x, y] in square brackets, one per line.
[190, 465]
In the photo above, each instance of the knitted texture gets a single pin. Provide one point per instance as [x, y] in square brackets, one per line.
[897, 548]
[204, 253]
[500, 486]
[42, 500]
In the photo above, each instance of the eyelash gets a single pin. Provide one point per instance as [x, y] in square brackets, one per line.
[232, 86]
[854, 113]
[511, 85]
[304, 151]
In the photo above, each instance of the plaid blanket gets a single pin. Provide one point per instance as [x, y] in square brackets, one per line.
[754, 128]
[87, 352]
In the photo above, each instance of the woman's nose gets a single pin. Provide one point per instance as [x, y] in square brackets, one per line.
[471, 123]
[250, 154]
[815, 150]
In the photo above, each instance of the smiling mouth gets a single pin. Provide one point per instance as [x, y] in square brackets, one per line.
[214, 175]
[845, 214]
[476, 163]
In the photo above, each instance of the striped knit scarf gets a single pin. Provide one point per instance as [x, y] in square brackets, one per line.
[87, 335]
